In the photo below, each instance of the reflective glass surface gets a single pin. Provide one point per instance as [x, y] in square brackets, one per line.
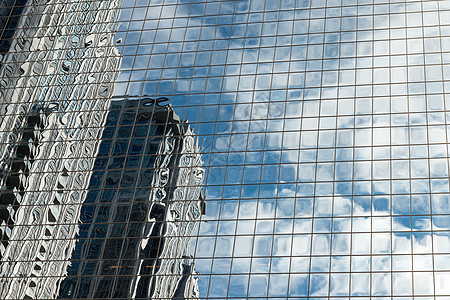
[233, 149]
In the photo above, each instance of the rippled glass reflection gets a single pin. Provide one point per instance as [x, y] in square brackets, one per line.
[322, 127]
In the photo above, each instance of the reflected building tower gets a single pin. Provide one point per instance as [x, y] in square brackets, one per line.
[52, 110]
[141, 209]
[57, 79]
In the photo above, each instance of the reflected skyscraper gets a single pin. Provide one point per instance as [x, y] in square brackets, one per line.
[141, 208]
[323, 127]
[52, 112]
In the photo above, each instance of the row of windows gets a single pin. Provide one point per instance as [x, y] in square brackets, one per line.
[298, 266]
[328, 79]
[271, 125]
[338, 169]
[300, 31]
[362, 64]
[398, 68]
[332, 42]
[288, 103]
[348, 91]
[230, 120]
[314, 20]
[265, 84]
[364, 16]
[253, 158]
[339, 71]
[414, 155]
[159, 39]
[381, 235]
[170, 9]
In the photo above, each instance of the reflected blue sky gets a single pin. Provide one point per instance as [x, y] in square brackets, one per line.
[323, 126]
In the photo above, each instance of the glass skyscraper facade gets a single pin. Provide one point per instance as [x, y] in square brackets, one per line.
[233, 149]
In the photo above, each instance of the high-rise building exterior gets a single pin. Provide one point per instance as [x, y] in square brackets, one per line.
[224, 149]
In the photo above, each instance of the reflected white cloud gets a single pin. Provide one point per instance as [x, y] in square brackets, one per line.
[346, 87]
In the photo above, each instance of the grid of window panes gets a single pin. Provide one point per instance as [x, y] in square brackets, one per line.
[324, 134]
[323, 126]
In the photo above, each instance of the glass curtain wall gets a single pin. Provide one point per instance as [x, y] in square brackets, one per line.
[322, 127]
